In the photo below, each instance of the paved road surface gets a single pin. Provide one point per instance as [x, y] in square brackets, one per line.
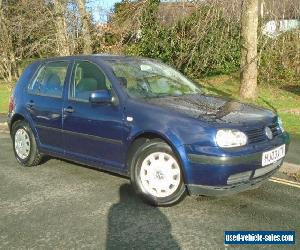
[61, 205]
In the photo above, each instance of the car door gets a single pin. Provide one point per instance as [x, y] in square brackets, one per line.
[44, 103]
[92, 132]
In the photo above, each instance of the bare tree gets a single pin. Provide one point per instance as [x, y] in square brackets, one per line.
[61, 27]
[86, 36]
[249, 27]
[8, 65]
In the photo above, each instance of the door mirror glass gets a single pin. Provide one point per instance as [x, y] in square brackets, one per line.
[101, 96]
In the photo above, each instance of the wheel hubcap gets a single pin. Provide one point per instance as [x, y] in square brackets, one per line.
[22, 143]
[160, 174]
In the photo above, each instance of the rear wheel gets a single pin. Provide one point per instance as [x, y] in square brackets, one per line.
[24, 143]
[156, 174]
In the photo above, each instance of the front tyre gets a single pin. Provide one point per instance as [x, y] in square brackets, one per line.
[24, 144]
[156, 174]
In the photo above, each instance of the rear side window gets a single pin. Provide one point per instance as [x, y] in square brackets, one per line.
[50, 79]
[87, 78]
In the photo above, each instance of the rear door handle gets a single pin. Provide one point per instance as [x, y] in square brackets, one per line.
[69, 110]
[30, 104]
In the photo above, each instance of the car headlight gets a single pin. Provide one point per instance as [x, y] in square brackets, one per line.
[280, 124]
[230, 138]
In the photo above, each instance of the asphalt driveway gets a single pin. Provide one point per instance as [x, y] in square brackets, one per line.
[61, 205]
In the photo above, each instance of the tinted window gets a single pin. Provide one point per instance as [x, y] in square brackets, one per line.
[87, 78]
[50, 79]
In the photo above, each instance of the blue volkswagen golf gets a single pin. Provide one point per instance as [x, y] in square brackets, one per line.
[141, 118]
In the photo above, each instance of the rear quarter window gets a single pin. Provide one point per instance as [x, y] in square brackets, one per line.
[28, 73]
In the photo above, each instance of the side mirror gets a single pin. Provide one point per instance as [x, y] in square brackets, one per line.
[100, 96]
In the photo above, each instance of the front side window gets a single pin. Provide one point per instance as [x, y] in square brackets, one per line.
[87, 78]
[50, 79]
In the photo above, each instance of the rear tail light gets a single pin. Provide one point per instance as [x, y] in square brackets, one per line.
[11, 104]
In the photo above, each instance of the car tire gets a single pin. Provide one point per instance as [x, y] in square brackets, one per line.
[24, 144]
[156, 174]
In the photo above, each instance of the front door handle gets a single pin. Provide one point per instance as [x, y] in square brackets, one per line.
[69, 110]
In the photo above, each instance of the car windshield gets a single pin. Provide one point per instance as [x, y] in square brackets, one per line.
[142, 78]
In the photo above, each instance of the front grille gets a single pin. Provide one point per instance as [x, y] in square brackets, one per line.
[258, 135]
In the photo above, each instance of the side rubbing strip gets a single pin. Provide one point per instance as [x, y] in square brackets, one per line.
[91, 137]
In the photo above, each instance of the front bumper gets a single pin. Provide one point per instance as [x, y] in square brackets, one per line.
[214, 173]
[230, 189]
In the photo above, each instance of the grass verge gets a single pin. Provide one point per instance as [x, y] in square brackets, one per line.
[4, 97]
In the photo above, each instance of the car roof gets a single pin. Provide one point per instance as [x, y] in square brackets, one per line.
[93, 56]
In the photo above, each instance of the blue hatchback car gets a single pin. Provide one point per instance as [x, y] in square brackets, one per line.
[141, 118]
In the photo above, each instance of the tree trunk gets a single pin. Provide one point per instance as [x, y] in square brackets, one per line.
[249, 26]
[86, 36]
[63, 48]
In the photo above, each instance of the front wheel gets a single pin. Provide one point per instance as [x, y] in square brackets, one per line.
[156, 174]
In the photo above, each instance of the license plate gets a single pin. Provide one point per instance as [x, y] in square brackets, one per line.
[273, 155]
